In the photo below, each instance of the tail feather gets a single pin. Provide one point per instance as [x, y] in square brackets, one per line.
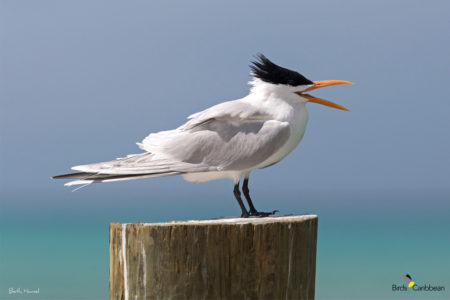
[136, 166]
[72, 175]
[100, 176]
[98, 179]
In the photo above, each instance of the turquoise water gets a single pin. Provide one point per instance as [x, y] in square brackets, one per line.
[367, 240]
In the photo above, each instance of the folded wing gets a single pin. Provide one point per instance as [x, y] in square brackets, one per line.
[228, 136]
[233, 135]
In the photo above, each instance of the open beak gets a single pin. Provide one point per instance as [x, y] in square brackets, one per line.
[321, 84]
[323, 102]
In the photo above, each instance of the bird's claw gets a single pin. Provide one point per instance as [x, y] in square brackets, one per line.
[262, 214]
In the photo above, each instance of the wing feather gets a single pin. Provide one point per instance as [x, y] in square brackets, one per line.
[231, 111]
[221, 144]
[230, 136]
[234, 135]
[144, 163]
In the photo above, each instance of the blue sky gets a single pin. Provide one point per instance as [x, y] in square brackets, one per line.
[83, 81]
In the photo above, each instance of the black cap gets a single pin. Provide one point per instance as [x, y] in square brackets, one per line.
[269, 72]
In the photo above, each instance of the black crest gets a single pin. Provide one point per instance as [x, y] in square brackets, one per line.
[267, 71]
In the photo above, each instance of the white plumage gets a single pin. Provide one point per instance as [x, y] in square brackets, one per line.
[228, 140]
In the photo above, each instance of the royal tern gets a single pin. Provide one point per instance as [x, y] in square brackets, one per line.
[228, 140]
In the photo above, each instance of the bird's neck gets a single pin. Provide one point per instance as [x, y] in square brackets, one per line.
[276, 101]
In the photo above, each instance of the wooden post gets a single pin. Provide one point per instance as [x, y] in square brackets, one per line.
[231, 258]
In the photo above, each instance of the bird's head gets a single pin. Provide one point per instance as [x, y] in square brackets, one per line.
[292, 82]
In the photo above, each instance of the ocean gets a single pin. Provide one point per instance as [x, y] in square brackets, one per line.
[367, 240]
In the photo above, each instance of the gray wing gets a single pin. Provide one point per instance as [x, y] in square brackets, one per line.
[135, 166]
[234, 135]
[231, 111]
[226, 145]
[144, 163]
[215, 145]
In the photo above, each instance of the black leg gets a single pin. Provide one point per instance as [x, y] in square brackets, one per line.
[247, 196]
[237, 195]
[253, 212]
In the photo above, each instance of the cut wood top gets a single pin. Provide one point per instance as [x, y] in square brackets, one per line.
[235, 221]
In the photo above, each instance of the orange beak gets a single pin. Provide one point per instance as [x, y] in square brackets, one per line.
[321, 84]
[324, 83]
[323, 102]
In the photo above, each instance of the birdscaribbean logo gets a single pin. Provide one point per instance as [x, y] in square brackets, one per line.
[409, 282]
[411, 286]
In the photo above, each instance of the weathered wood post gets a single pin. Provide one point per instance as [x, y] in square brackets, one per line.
[252, 258]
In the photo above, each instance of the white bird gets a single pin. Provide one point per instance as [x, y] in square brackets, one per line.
[228, 140]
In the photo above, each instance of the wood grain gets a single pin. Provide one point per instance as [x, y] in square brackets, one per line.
[253, 258]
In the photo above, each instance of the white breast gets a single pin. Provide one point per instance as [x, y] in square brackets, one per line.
[297, 118]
